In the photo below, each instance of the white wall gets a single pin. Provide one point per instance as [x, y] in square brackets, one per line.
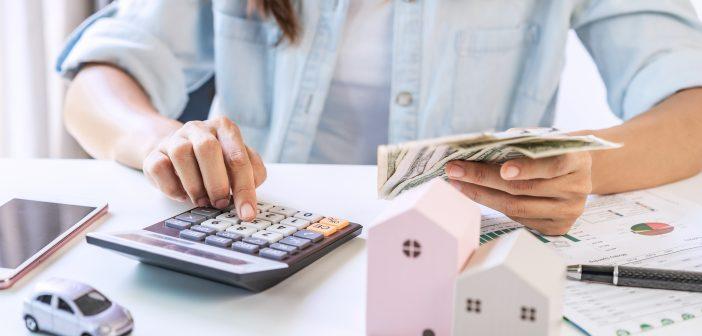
[582, 100]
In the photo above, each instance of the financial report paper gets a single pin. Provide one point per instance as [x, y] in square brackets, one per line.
[643, 229]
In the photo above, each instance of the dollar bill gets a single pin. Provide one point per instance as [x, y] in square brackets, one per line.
[407, 165]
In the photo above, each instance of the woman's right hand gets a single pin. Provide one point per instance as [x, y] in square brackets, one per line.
[205, 161]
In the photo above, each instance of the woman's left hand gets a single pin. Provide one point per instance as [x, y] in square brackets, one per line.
[544, 194]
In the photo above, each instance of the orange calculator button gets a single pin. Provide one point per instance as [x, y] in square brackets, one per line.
[336, 222]
[324, 229]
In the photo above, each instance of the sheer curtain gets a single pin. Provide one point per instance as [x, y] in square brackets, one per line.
[32, 33]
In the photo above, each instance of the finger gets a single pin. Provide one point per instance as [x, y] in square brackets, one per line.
[208, 153]
[488, 175]
[241, 175]
[517, 206]
[259, 169]
[546, 226]
[546, 168]
[180, 152]
[160, 172]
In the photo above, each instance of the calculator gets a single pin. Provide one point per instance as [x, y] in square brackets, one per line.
[216, 244]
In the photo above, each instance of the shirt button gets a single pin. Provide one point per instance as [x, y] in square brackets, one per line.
[404, 99]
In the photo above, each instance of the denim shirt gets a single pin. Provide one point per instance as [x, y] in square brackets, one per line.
[458, 66]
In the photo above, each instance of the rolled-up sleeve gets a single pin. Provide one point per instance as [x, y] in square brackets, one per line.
[164, 45]
[645, 50]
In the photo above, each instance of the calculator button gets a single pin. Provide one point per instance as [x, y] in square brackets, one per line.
[258, 224]
[218, 241]
[263, 206]
[191, 218]
[282, 229]
[242, 230]
[311, 235]
[295, 222]
[312, 217]
[177, 224]
[217, 224]
[300, 243]
[204, 229]
[192, 235]
[283, 211]
[207, 212]
[230, 216]
[269, 236]
[271, 217]
[287, 248]
[244, 247]
[273, 254]
[231, 235]
[336, 222]
[256, 241]
[324, 229]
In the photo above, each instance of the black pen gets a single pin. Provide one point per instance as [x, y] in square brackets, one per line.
[637, 277]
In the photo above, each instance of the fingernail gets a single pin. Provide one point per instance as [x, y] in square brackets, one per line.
[203, 201]
[181, 199]
[454, 170]
[510, 172]
[456, 184]
[221, 204]
[247, 211]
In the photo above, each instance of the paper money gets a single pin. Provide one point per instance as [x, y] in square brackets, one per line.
[406, 165]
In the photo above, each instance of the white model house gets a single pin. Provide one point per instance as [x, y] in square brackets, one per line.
[416, 248]
[511, 286]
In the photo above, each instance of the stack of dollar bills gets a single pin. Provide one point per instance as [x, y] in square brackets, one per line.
[404, 166]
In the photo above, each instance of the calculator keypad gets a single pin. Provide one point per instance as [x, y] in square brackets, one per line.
[242, 230]
[217, 224]
[270, 237]
[191, 218]
[230, 216]
[277, 232]
[270, 216]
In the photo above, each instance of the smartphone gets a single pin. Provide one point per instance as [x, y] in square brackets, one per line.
[30, 231]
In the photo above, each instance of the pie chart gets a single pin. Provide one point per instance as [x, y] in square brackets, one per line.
[652, 229]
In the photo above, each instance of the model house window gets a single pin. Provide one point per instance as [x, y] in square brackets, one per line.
[411, 248]
[528, 313]
[473, 305]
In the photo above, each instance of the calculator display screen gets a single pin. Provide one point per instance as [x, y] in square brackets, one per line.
[28, 226]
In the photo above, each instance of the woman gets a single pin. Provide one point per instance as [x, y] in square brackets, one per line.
[327, 81]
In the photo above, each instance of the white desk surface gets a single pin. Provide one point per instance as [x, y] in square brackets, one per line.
[325, 298]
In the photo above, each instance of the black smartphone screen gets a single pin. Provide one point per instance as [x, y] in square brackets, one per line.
[27, 226]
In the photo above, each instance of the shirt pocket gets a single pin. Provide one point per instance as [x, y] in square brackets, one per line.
[488, 67]
[244, 54]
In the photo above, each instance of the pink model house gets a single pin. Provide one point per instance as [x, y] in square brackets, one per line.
[416, 249]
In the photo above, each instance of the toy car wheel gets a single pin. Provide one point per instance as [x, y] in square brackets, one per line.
[31, 323]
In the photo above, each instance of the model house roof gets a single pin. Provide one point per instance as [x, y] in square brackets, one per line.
[524, 255]
[442, 206]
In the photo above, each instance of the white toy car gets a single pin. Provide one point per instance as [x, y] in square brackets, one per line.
[69, 308]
